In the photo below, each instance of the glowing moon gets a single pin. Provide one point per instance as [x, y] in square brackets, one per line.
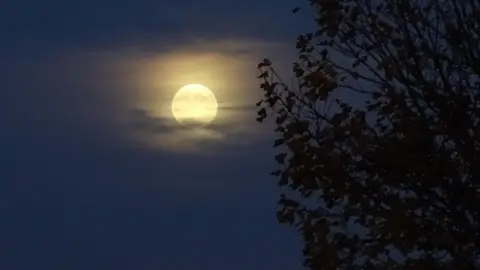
[194, 104]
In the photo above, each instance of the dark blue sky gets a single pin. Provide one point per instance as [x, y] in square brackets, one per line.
[81, 189]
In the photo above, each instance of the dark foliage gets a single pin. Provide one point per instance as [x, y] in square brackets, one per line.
[379, 142]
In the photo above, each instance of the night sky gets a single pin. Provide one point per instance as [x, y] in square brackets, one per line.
[95, 173]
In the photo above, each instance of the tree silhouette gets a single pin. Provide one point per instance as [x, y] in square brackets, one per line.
[379, 138]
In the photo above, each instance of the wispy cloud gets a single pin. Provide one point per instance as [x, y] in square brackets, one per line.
[166, 133]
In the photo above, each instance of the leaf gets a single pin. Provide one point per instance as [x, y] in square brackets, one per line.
[272, 101]
[264, 63]
[280, 158]
[262, 111]
[262, 114]
[289, 103]
[355, 75]
[283, 179]
[263, 75]
[275, 173]
[281, 119]
[278, 142]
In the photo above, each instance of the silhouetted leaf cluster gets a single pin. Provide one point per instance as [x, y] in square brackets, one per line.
[380, 138]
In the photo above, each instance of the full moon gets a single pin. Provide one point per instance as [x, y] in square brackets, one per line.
[194, 104]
